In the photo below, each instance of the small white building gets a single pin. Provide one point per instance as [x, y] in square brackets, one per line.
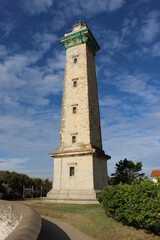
[155, 175]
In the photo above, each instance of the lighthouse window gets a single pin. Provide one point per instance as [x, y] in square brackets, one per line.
[73, 139]
[75, 60]
[74, 109]
[74, 83]
[71, 171]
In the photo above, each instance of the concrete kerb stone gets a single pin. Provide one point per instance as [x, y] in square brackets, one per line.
[24, 221]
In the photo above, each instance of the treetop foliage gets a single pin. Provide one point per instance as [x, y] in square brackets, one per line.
[126, 172]
[11, 184]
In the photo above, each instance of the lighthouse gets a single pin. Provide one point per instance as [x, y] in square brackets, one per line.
[80, 164]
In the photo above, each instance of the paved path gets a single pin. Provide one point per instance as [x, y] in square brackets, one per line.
[53, 229]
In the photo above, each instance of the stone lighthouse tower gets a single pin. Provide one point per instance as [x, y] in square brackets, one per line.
[80, 168]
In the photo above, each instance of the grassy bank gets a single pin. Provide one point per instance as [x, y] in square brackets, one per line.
[92, 220]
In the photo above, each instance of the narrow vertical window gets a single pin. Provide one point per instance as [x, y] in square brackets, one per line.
[73, 139]
[71, 171]
[74, 83]
[74, 110]
[75, 60]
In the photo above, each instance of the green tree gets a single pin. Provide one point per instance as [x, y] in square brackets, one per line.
[126, 172]
[11, 185]
[15, 181]
[3, 190]
[37, 182]
[47, 186]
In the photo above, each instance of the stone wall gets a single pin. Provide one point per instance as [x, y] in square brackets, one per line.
[94, 117]
[75, 124]
[83, 178]
[85, 123]
[18, 221]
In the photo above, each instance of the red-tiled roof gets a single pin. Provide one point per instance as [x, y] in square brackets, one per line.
[155, 173]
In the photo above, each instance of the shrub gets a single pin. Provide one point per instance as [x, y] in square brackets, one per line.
[137, 204]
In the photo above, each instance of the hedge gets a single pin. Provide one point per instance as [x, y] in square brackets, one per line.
[137, 204]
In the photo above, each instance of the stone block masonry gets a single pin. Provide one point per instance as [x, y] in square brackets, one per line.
[80, 168]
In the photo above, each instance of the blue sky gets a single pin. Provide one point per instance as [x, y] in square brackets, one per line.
[31, 79]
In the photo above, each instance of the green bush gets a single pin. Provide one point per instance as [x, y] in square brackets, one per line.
[137, 204]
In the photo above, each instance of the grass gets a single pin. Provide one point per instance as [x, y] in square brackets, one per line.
[92, 220]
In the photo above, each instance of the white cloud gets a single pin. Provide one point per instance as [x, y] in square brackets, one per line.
[3, 51]
[130, 120]
[109, 101]
[155, 50]
[29, 132]
[58, 62]
[101, 5]
[113, 5]
[146, 52]
[59, 20]
[133, 143]
[44, 41]
[139, 85]
[128, 27]
[67, 10]
[132, 134]
[7, 26]
[132, 146]
[113, 41]
[11, 164]
[82, 8]
[28, 121]
[150, 27]
[24, 82]
[33, 7]
[145, 1]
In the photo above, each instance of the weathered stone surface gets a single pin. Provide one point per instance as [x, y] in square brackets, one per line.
[85, 155]
[18, 221]
[80, 34]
